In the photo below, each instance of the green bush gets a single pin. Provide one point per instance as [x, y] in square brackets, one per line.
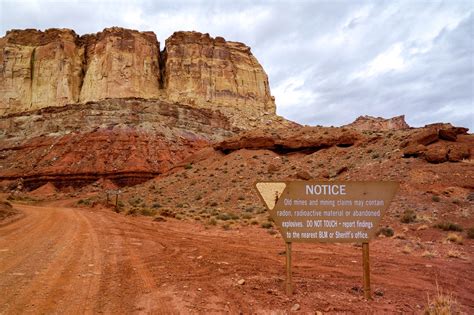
[448, 226]
[436, 198]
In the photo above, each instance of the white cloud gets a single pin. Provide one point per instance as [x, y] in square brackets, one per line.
[389, 60]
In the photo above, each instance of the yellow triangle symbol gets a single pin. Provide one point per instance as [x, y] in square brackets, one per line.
[270, 192]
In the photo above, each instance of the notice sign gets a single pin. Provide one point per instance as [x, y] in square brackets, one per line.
[331, 212]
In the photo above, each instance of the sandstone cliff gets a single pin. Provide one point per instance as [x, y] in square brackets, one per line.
[39, 69]
[57, 67]
[120, 63]
[206, 71]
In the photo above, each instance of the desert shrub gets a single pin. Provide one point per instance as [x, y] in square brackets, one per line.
[249, 209]
[132, 211]
[441, 304]
[156, 205]
[198, 197]
[454, 238]
[436, 198]
[227, 216]
[241, 198]
[246, 216]
[147, 212]
[386, 231]
[213, 204]
[457, 202]
[135, 201]
[212, 221]
[408, 216]
[84, 202]
[470, 233]
[375, 155]
[266, 225]
[167, 213]
[449, 226]
[223, 216]
[188, 166]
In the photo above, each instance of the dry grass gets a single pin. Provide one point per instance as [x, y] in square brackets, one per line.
[441, 304]
[406, 249]
[454, 253]
[429, 254]
[454, 238]
[422, 227]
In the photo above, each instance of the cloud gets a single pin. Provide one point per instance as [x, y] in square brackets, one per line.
[328, 61]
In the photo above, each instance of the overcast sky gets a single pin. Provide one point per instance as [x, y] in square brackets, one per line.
[328, 61]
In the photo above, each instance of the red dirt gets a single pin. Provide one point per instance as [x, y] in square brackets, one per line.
[68, 260]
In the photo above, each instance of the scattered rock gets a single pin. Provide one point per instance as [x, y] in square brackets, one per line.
[414, 150]
[458, 153]
[342, 170]
[447, 134]
[272, 168]
[295, 307]
[426, 136]
[241, 282]
[304, 175]
[378, 292]
[436, 154]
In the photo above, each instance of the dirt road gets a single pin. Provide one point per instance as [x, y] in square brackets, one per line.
[71, 261]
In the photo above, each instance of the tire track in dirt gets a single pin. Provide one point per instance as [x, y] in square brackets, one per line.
[61, 283]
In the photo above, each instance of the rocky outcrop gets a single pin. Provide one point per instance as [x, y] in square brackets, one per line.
[438, 143]
[210, 71]
[121, 63]
[379, 123]
[303, 139]
[57, 67]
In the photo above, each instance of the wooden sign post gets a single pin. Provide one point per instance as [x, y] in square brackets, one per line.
[327, 212]
[366, 268]
[289, 282]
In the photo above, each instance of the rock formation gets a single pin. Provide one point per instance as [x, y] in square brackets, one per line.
[39, 69]
[57, 67]
[379, 123]
[121, 63]
[206, 71]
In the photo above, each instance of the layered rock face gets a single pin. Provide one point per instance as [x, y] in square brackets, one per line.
[121, 63]
[39, 69]
[208, 72]
[125, 140]
[57, 67]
